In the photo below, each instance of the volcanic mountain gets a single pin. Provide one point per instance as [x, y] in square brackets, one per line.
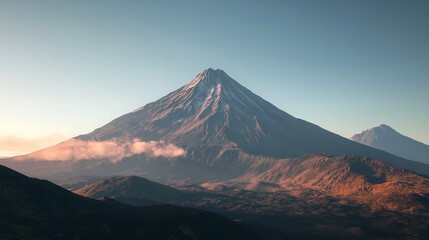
[223, 129]
[387, 139]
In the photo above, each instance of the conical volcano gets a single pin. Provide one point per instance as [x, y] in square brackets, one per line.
[211, 110]
[214, 110]
[226, 130]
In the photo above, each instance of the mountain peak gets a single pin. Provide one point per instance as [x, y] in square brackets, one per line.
[212, 109]
[385, 127]
[213, 70]
[208, 78]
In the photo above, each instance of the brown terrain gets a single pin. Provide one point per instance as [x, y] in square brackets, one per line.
[358, 179]
[351, 196]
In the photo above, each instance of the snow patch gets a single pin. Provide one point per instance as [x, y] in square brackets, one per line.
[208, 100]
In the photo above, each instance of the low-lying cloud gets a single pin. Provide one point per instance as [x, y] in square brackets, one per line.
[114, 150]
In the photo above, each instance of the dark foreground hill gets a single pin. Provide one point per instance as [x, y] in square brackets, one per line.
[37, 209]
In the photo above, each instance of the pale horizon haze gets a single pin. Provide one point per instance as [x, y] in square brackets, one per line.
[68, 67]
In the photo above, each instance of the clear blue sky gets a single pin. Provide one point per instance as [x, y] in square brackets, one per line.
[67, 67]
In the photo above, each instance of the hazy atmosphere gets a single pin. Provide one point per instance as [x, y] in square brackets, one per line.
[69, 67]
[208, 120]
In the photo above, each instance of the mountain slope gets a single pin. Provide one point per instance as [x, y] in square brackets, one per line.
[216, 115]
[24, 197]
[387, 139]
[358, 179]
[225, 130]
[130, 187]
[37, 209]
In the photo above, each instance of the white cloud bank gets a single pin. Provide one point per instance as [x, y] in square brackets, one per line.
[115, 150]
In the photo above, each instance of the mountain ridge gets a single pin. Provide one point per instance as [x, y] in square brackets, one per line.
[359, 179]
[130, 187]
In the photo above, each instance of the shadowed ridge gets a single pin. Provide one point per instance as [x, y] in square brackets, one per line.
[131, 187]
[37, 209]
[33, 198]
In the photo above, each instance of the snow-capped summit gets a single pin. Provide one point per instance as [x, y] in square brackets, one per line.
[218, 88]
[208, 77]
[211, 110]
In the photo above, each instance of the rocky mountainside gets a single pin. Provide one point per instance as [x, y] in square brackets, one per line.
[358, 179]
[387, 139]
[214, 110]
